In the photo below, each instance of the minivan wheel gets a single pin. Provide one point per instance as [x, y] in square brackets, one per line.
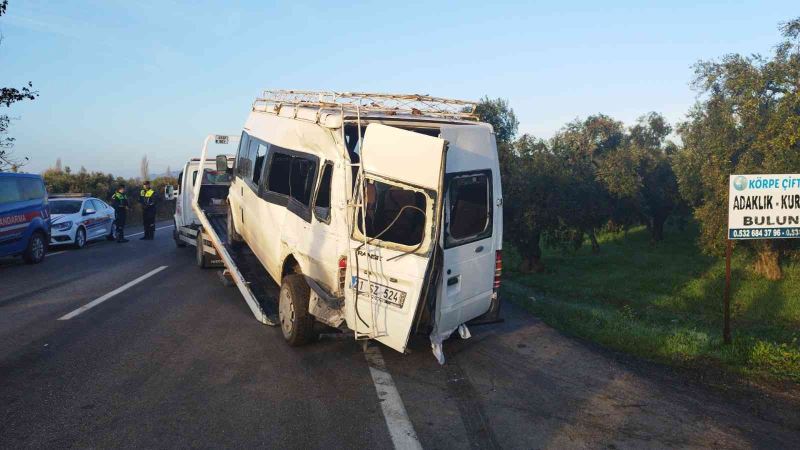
[297, 324]
[37, 248]
[80, 238]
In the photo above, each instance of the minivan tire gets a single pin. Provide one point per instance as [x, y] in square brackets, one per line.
[297, 325]
[36, 249]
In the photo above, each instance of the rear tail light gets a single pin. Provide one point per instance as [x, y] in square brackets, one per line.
[342, 272]
[498, 269]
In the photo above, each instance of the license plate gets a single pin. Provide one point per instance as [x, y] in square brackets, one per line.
[382, 293]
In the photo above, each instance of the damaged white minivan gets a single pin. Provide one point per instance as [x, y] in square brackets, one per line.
[376, 213]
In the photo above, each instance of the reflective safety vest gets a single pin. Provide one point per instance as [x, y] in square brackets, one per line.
[148, 196]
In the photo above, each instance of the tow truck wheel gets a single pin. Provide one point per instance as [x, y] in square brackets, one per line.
[200, 255]
[297, 324]
[80, 238]
[176, 235]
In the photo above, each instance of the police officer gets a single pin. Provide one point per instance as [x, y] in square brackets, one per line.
[147, 197]
[120, 203]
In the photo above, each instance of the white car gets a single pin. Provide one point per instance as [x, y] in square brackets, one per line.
[78, 220]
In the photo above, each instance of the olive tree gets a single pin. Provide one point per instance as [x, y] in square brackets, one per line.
[746, 120]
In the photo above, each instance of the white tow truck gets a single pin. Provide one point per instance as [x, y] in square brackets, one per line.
[377, 214]
[212, 202]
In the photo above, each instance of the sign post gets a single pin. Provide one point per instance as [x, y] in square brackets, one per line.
[759, 207]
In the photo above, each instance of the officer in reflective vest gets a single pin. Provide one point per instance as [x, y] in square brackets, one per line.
[120, 203]
[147, 197]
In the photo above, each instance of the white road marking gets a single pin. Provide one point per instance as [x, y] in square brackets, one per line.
[55, 253]
[116, 291]
[394, 412]
[142, 232]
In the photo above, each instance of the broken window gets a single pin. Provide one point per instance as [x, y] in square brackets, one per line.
[469, 213]
[394, 214]
[322, 204]
[301, 179]
[260, 154]
[242, 163]
[278, 178]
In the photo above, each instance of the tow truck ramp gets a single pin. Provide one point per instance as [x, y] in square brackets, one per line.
[241, 265]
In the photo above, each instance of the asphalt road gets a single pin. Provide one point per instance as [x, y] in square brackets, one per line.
[177, 360]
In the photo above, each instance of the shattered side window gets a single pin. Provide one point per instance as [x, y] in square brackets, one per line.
[470, 210]
[394, 214]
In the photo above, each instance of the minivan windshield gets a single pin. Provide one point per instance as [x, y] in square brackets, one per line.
[65, 206]
[394, 214]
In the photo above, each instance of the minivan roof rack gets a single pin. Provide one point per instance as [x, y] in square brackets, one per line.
[366, 103]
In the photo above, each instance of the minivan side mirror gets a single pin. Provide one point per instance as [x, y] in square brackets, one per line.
[222, 163]
[169, 192]
[89, 211]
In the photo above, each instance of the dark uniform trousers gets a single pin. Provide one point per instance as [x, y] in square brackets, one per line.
[148, 201]
[120, 204]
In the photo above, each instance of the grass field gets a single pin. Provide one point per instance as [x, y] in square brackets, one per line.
[664, 303]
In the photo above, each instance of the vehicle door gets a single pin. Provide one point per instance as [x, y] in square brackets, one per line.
[89, 219]
[472, 226]
[14, 216]
[395, 232]
[105, 216]
[179, 200]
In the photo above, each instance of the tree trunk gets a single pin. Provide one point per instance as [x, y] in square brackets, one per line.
[768, 262]
[595, 244]
[657, 230]
[532, 262]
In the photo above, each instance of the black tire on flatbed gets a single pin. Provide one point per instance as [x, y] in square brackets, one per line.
[234, 239]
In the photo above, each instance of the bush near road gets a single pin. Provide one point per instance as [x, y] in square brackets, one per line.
[663, 302]
[102, 186]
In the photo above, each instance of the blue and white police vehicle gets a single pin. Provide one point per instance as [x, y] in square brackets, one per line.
[79, 218]
[24, 217]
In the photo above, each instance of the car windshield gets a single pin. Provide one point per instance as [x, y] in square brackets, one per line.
[65, 206]
[214, 177]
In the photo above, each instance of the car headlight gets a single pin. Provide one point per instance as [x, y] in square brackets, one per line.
[63, 226]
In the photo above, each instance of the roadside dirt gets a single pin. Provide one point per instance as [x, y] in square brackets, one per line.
[522, 384]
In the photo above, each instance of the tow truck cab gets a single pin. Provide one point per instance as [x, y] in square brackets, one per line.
[214, 186]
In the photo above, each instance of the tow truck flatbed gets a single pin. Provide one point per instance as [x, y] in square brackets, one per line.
[242, 268]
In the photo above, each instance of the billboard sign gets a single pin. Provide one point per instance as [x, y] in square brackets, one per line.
[764, 206]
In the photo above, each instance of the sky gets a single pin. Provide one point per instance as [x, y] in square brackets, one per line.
[120, 79]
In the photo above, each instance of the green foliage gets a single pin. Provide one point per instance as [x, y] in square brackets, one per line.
[499, 114]
[102, 185]
[638, 172]
[746, 121]
[664, 303]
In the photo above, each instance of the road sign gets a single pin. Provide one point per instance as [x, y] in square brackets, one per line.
[764, 206]
[220, 139]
